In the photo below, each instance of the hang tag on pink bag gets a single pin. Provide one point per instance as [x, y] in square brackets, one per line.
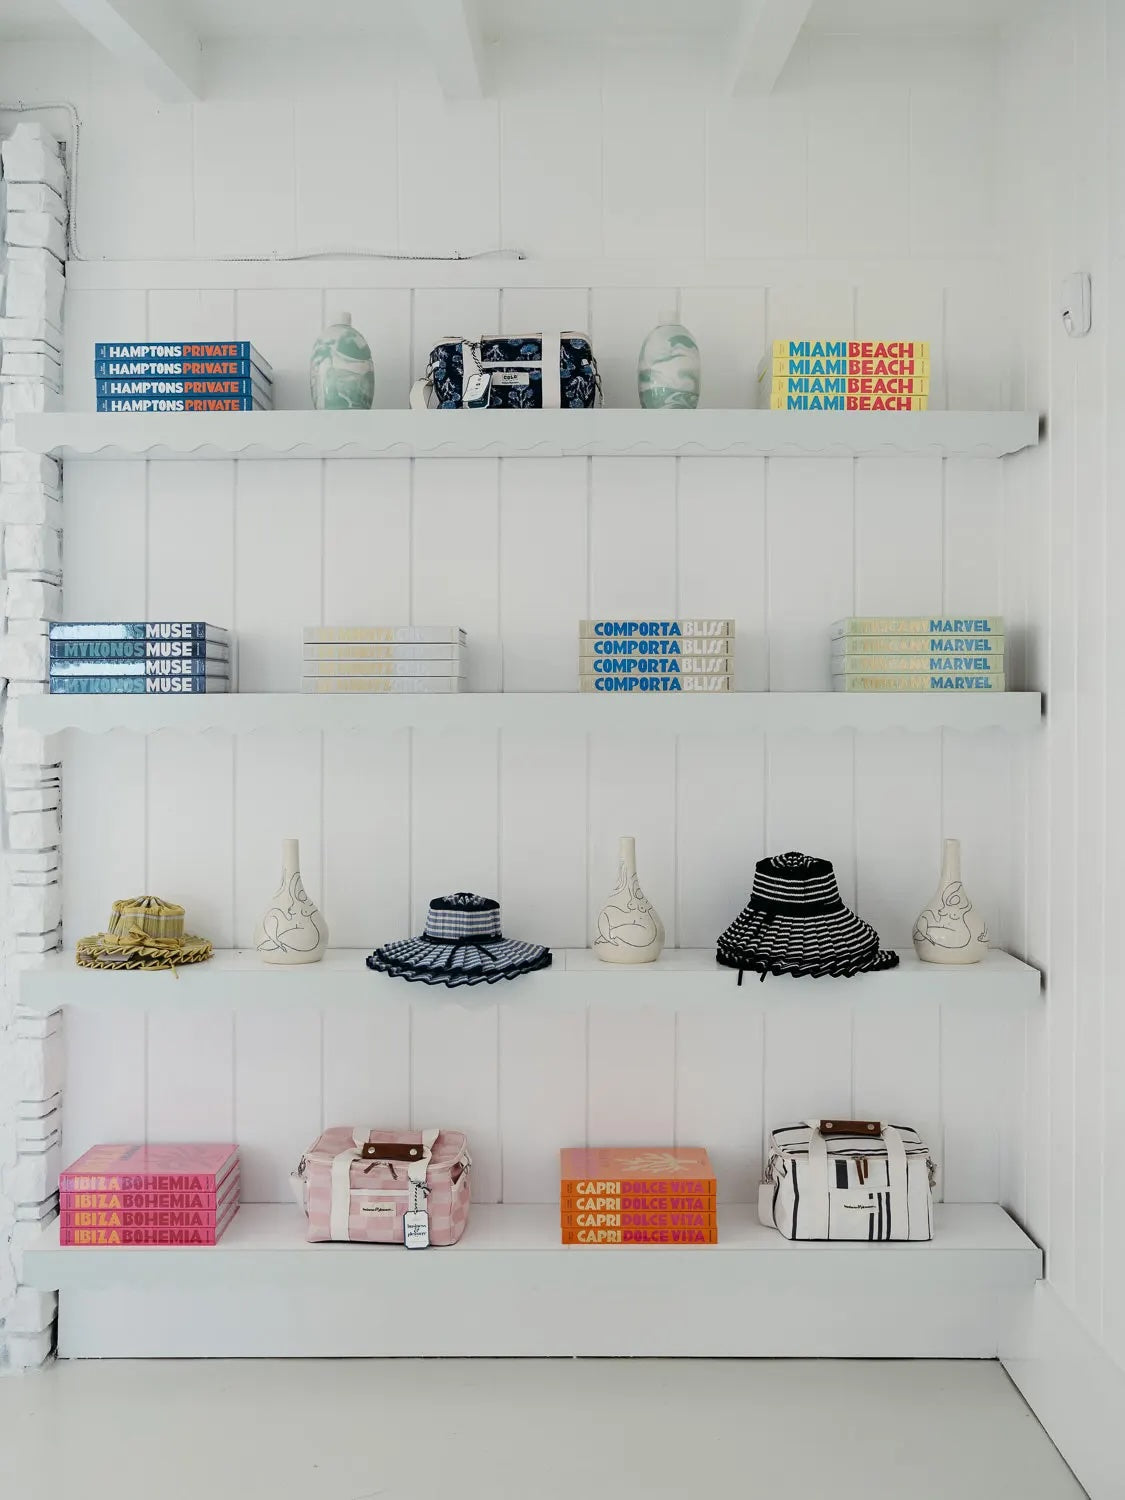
[416, 1229]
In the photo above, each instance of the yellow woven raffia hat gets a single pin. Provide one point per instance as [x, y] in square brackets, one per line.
[144, 933]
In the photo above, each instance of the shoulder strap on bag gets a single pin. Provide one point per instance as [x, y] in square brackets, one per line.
[552, 376]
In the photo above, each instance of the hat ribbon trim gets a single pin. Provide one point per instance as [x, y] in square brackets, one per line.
[770, 906]
[763, 924]
[136, 939]
[481, 943]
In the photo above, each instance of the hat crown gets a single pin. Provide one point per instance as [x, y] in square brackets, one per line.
[463, 915]
[795, 882]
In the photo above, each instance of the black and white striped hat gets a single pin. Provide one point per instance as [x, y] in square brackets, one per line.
[796, 923]
[462, 944]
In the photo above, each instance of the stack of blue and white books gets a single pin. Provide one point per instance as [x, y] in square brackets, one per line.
[139, 656]
[655, 656]
[227, 375]
[918, 654]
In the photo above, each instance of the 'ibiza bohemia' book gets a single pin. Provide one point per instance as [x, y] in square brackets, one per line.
[197, 1168]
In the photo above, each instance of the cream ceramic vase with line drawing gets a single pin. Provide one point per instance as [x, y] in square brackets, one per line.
[950, 929]
[628, 929]
[292, 931]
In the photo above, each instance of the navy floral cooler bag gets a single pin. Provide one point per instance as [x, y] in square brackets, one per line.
[527, 372]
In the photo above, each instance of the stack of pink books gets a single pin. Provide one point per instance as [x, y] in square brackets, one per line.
[149, 1195]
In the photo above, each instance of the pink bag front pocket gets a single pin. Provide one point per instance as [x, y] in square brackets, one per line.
[359, 1184]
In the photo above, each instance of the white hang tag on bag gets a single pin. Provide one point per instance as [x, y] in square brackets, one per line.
[416, 1220]
[416, 1229]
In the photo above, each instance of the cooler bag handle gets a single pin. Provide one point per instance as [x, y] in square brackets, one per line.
[815, 1198]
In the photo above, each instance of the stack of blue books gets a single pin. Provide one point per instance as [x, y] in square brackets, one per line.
[225, 376]
[139, 656]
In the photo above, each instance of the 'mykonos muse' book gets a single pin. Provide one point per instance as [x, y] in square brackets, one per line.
[172, 666]
[921, 682]
[175, 349]
[117, 651]
[119, 683]
[927, 625]
[137, 630]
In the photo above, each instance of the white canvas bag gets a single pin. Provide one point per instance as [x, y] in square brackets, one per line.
[848, 1180]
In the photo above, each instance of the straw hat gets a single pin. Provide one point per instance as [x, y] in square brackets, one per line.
[144, 933]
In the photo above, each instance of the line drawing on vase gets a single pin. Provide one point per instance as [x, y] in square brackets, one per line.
[300, 917]
[630, 923]
[947, 926]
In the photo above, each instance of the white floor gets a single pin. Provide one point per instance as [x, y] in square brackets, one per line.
[344, 1430]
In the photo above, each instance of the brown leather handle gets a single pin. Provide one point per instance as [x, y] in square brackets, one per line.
[850, 1127]
[390, 1151]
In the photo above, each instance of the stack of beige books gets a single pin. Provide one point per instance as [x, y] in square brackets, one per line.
[655, 656]
[383, 659]
[918, 654]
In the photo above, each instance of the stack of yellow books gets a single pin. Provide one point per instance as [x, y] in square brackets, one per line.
[845, 375]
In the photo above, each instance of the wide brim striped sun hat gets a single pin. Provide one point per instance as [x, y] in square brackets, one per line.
[463, 944]
[796, 923]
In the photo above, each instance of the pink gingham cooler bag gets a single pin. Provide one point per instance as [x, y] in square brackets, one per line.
[386, 1187]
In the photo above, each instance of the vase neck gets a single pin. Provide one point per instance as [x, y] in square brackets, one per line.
[950, 861]
[627, 853]
[290, 857]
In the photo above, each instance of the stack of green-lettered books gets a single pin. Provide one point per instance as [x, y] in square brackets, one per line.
[918, 654]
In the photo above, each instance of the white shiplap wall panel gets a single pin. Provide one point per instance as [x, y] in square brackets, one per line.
[898, 830]
[728, 324]
[277, 796]
[105, 1079]
[455, 558]
[278, 576]
[440, 315]
[367, 838]
[810, 800]
[96, 317]
[282, 324]
[184, 1047]
[720, 832]
[367, 1063]
[542, 1097]
[719, 1095]
[620, 319]
[897, 1068]
[454, 807]
[543, 847]
[277, 1081]
[631, 1076]
[807, 587]
[455, 1081]
[543, 522]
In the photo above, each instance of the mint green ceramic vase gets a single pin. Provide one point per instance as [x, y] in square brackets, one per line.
[668, 368]
[341, 372]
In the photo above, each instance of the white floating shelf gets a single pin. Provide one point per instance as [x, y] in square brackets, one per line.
[681, 979]
[510, 1289]
[546, 434]
[530, 713]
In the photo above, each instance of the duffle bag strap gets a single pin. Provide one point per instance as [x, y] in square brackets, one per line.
[340, 1204]
[552, 372]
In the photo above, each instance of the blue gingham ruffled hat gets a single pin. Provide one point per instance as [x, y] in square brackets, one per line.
[462, 944]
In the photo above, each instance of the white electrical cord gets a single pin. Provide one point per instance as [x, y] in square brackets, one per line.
[350, 252]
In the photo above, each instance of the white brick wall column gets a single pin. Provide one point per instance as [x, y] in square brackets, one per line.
[32, 251]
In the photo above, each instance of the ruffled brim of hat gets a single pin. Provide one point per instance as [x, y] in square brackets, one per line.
[419, 962]
[834, 945]
[104, 951]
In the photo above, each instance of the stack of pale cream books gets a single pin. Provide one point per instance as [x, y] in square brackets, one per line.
[918, 654]
[383, 659]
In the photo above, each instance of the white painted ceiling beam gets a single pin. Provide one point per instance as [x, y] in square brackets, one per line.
[767, 32]
[147, 37]
[452, 37]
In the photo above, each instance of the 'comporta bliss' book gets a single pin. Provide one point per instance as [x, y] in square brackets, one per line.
[654, 629]
[425, 635]
[894, 645]
[137, 630]
[920, 682]
[712, 682]
[177, 349]
[671, 1171]
[652, 666]
[927, 625]
[130, 1168]
[717, 648]
[103, 684]
[104, 652]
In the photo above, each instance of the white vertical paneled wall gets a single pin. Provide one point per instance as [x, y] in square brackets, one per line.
[752, 220]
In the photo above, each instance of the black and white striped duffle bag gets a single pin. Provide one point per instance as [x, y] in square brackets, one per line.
[848, 1180]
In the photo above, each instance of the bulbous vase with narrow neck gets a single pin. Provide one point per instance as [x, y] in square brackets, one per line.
[628, 930]
[292, 931]
[950, 929]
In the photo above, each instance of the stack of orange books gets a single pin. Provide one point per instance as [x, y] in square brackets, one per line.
[637, 1195]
